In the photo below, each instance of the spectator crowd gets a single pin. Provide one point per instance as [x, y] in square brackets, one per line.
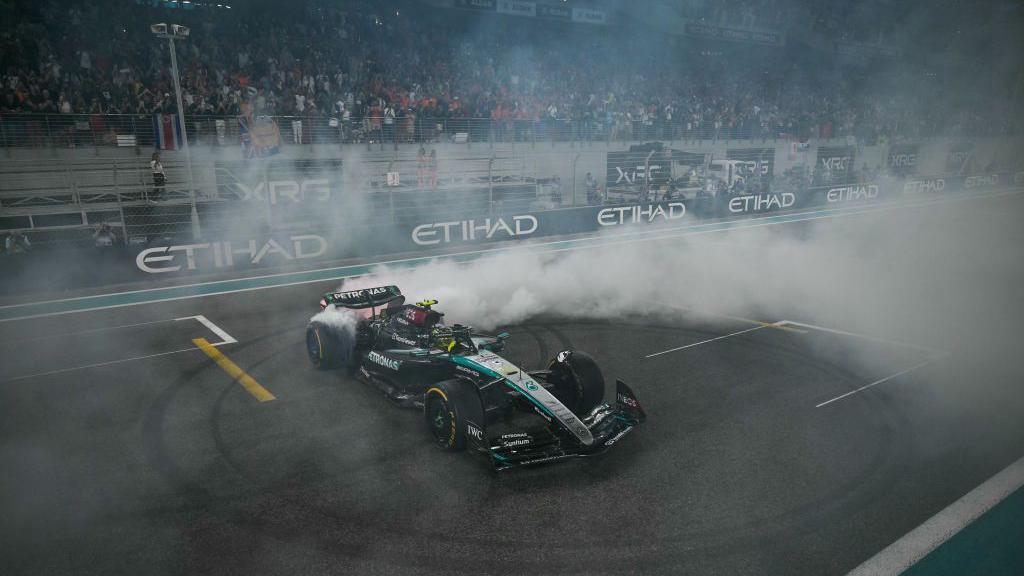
[353, 63]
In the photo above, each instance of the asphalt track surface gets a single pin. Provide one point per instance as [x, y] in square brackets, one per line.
[126, 450]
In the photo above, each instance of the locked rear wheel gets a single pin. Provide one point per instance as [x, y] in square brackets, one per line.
[329, 347]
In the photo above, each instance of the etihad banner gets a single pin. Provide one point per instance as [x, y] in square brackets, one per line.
[517, 8]
[554, 12]
[589, 16]
[486, 5]
[229, 254]
[852, 193]
[758, 203]
[517, 226]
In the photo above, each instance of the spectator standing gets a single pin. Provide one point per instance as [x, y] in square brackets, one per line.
[300, 109]
[104, 236]
[432, 169]
[421, 168]
[159, 178]
[591, 185]
[16, 243]
[389, 123]
[556, 192]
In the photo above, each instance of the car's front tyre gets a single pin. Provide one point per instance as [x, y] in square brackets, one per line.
[576, 381]
[453, 413]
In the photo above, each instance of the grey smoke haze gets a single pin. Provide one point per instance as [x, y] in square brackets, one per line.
[939, 276]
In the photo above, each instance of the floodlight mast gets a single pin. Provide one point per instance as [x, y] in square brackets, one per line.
[172, 33]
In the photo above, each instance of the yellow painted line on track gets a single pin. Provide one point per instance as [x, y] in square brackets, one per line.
[251, 386]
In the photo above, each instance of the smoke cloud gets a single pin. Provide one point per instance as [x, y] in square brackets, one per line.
[340, 320]
[932, 276]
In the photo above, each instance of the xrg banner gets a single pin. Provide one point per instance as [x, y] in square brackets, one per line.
[280, 182]
[279, 192]
[960, 158]
[835, 165]
[754, 161]
[902, 159]
[645, 166]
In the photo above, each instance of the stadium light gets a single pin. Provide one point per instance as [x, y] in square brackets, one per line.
[172, 33]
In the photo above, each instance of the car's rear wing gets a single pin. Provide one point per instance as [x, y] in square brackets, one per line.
[364, 298]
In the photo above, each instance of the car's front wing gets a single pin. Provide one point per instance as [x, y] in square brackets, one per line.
[607, 424]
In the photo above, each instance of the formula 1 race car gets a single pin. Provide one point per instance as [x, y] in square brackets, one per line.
[471, 397]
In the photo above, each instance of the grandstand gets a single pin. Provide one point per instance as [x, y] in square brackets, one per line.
[373, 81]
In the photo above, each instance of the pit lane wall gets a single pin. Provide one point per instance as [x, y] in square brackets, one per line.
[304, 250]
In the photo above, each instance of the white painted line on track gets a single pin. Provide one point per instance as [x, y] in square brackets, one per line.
[921, 541]
[700, 312]
[220, 332]
[883, 380]
[862, 336]
[99, 364]
[225, 338]
[707, 341]
[92, 331]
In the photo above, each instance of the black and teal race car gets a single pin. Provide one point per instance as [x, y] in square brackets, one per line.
[472, 398]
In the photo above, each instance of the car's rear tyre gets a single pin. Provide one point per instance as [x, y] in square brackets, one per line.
[329, 347]
[453, 412]
[576, 381]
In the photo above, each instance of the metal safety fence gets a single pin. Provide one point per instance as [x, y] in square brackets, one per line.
[76, 130]
[64, 204]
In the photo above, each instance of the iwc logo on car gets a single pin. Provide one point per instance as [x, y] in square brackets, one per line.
[473, 431]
